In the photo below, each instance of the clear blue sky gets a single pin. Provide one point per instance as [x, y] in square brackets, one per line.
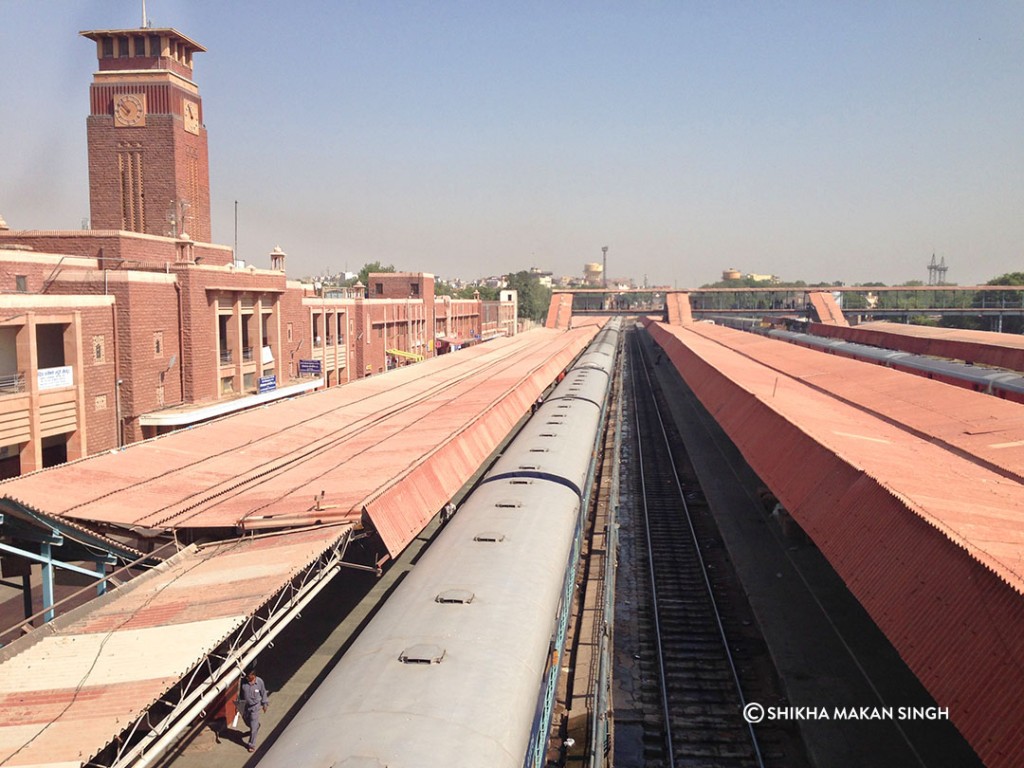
[815, 140]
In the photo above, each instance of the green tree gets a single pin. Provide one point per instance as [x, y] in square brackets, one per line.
[534, 298]
[373, 266]
[1011, 300]
[487, 293]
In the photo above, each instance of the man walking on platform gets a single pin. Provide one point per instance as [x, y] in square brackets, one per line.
[253, 702]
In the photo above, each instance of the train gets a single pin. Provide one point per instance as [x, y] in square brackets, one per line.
[998, 382]
[460, 665]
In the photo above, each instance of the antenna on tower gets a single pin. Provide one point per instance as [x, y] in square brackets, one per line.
[937, 271]
[145, 21]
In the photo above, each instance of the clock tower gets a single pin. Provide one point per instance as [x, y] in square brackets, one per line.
[149, 169]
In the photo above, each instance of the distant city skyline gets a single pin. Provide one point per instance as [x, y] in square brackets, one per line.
[811, 141]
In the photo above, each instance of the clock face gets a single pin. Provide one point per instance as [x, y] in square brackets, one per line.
[191, 117]
[129, 110]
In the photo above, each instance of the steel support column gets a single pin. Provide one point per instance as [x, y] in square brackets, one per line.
[45, 551]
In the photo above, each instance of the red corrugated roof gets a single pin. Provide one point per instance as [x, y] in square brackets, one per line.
[986, 427]
[267, 467]
[559, 311]
[679, 310]
[929, 541]
[826, 308]
[400, 511]
[1002, 350]
[68, 691]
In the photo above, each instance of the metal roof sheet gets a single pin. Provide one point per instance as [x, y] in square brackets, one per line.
[401, 510]
[69, 689]
[1004, 350]
[928, 540]
[826, 308]
[985, 427]
[559, 311]
[314, 458]
[677, 303]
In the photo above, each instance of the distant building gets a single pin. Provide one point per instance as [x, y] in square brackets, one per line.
[734, 274]
[543, 277]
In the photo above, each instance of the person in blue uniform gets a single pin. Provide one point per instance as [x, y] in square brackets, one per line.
[253, 702]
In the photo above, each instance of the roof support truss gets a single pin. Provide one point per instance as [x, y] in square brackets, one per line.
[157, 729]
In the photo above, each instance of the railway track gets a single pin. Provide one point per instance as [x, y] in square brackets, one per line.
[693, 681]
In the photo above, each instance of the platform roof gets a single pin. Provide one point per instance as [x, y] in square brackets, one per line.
[71, 688]
[319, 457]
[984, 427]
[930, 541]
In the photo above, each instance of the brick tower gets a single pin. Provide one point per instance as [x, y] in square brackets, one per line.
[148, 163]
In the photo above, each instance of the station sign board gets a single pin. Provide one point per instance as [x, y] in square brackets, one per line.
[310, 367]
[55, 378]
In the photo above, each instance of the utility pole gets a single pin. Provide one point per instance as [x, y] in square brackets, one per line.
[604, 267]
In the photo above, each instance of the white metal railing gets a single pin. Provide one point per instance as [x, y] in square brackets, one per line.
[11, 383]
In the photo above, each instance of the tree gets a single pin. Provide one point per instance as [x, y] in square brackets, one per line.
[534, 298]
[441, 288]
[1009, 299]
[373, 266]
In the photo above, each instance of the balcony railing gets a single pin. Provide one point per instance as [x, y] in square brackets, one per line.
[12, 383]
[225, 357]
[247, 354]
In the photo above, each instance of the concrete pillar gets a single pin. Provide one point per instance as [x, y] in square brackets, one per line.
[235, 340]
[256, 335]
[77, 441]
[28, 361]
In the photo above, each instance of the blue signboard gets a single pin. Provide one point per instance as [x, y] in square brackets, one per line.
[267, 383]
[309, 366]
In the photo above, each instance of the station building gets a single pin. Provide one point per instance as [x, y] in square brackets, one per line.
[139, 325]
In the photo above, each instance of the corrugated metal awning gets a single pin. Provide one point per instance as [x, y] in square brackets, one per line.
[71, 688]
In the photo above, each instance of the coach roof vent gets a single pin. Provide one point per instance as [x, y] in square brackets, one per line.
[424, 653]
[460, 596]
[489, 536]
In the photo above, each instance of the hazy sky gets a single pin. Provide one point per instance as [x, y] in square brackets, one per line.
[815, 140]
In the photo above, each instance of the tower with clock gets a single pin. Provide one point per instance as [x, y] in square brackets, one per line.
[149, 169]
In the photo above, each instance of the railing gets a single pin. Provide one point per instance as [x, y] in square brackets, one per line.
[225, 357]
[246, 354]
[12, 383]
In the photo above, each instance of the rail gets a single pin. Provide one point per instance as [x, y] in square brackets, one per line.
[664, 450]
[662, 676]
